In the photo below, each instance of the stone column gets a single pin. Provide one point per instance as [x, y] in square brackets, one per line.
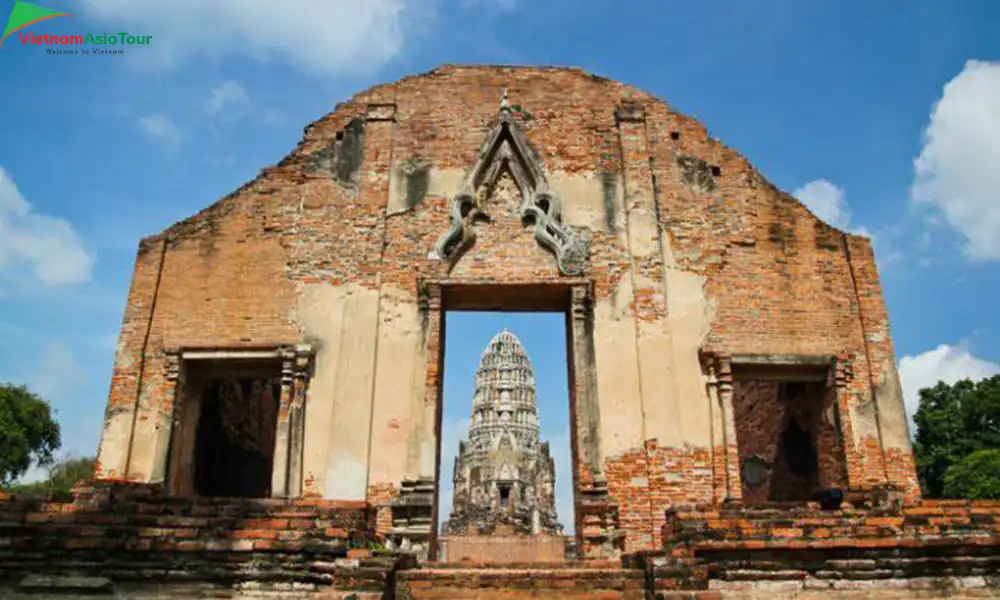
[583, 390]
[434, 348]
[286, 474]
[279, 472]
[167, 415]
[297, 417]
[720, 469]
[724, 386]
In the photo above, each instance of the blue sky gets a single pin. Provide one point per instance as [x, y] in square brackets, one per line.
[883, 117]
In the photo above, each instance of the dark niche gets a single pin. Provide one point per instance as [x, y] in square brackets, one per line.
[799, 451]
[341, 158]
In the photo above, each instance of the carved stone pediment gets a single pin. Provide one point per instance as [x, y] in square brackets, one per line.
[506, 151]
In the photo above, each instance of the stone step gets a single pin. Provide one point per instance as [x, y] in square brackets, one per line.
[508, 583]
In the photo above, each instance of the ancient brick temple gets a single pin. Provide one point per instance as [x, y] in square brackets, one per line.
[724, 343]
[504, 475]
[276, 396]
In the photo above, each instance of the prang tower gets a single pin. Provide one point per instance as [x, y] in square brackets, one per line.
[504, 475]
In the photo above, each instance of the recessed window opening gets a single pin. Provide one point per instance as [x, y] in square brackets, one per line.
[504, 496]
[229, 418]
[788, 448]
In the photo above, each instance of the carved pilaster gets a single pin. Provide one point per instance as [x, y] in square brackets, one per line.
[429, 413]
[723, 381]
[719, 453]
[286, 476]
[302, 370]
[279, 473]
[583, 388]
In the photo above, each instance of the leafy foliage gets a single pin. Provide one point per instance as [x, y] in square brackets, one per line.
[62, 477]
[953, 422]
[977, 476]
[27, 432]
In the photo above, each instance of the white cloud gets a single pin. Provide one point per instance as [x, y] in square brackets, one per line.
[826, 201]
[162, 129]
[228, 95]
[956, 171]
[945, 363]
[57, 375]
[322, 36]
[829, 202]
[48, 247]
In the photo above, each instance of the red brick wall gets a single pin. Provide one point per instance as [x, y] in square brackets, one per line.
[780, 280]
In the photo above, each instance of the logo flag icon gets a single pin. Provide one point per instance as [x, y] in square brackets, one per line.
[25, 14]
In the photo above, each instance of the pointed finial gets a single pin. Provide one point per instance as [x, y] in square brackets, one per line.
[504, 105]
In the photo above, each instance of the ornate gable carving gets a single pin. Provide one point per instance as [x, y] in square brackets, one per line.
[506, 152]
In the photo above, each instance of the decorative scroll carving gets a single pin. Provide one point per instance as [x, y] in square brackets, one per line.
[571, 250]
[506, 150]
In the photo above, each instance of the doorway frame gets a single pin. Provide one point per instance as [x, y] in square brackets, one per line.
[572, 298]
[294, 365]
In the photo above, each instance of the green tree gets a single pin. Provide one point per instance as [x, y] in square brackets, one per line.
[953, 422]
[62, 477]
[977, 476]
[28, 432]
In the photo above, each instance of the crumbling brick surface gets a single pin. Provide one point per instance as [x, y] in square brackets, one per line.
[380, 497]
[934, 548]
[136, 534]
[515, 583]
[361, 201]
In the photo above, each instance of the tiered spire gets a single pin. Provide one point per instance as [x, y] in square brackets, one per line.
[504, 476]
[504, 404]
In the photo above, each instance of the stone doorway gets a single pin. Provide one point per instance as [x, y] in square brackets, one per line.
[236, 427]
[571, 301]
[506, 466]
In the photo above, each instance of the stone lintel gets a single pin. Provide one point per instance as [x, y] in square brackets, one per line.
[490, 295]
[782, 367]
[242, 353]
[801, 360]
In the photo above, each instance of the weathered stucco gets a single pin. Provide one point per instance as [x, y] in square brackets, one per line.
[399, 384]
[341, 324]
